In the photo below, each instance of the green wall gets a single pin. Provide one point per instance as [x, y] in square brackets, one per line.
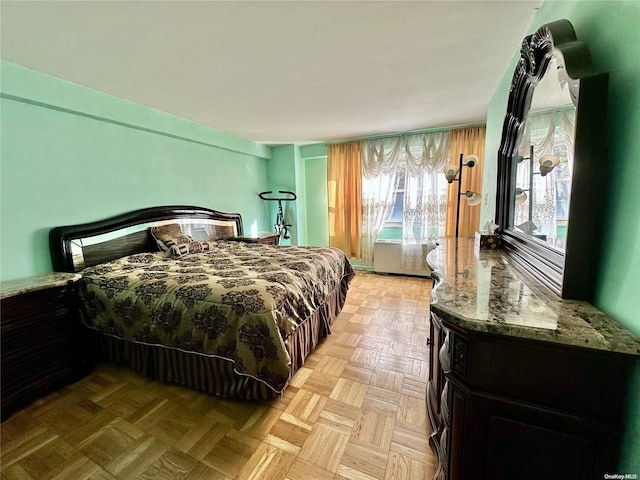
[316, 205]
[303, 170]
[283, 174]
[70, 155]
[610, 29]
[301, 191]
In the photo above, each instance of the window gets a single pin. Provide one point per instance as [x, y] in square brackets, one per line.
[404, 191]
[426, 192]
[395, 216]
[544, 210]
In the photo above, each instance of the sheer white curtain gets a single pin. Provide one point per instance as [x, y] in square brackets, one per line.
[549, 134]
[540, 132]
[563, 173]
[568, 132]
[380, 160]
[425, 197]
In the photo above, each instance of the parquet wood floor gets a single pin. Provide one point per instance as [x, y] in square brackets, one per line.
[355, 411]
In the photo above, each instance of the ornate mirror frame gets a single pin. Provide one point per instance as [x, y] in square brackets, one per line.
[570, 274]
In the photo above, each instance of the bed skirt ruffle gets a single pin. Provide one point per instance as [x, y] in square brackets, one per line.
[216, 375]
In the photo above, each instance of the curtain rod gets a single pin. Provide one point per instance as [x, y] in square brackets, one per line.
[410, 132]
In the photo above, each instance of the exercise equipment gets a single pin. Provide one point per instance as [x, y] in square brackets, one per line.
[280, 227]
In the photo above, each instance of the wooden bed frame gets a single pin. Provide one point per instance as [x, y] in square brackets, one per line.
[76, 247]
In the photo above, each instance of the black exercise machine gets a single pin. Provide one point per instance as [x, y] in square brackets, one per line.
[281, 227]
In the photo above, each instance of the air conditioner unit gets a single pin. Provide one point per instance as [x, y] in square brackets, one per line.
[387, 258]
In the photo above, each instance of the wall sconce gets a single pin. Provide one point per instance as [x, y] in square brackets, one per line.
[453, 173]
[521, 196]
[548, 163]
[473, 198]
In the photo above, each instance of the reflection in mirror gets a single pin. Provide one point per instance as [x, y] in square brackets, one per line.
[552, 162]
[545, 160]
[83, 248]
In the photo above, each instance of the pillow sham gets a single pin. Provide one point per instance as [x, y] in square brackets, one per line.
[169, 235]
[190, 247]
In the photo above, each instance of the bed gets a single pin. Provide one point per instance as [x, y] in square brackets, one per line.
[178, 294]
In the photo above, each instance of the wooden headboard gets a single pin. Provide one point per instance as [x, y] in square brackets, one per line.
[75, 247]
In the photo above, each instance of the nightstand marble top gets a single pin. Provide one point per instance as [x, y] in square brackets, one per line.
[9, 288]
[482, 290]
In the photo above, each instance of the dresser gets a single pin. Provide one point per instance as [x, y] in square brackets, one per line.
[522, 384]
[42, 344]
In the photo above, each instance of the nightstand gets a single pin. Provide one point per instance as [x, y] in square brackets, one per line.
[41, 336]
[266, 239]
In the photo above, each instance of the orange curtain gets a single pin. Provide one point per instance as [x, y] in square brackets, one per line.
[468, 141]
[344, 189]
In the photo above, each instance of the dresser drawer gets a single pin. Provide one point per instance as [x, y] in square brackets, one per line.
[267, 239]
[37, 304]
[38, 333]
[32, 365]
[270, 239]
[40, 338]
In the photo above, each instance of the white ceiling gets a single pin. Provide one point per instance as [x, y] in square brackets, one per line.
[279, 72]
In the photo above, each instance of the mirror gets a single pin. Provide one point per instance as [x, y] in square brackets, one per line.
[84, 248]
[552, 165]
[544, 161]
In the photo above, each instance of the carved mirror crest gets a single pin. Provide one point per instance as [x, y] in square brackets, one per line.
[552, 161]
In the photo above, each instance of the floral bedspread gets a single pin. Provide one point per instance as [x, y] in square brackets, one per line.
[238, 301]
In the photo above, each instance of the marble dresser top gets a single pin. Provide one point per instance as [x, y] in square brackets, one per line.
[481, 290]
[19, 286]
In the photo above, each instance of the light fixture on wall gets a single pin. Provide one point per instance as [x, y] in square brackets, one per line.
[521, 196]
[453, 173]
[548, 163]
[473, 198]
